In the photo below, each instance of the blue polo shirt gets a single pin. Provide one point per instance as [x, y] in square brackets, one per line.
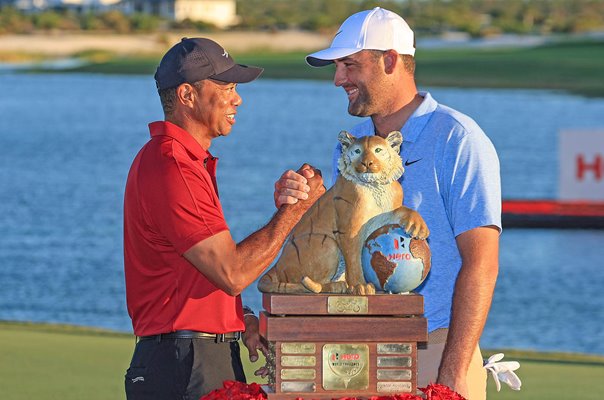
[452, 179]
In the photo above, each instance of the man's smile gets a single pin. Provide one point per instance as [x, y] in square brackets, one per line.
[351, 92]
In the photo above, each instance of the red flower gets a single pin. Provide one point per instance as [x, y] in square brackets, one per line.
[233, 390]
[435, 391]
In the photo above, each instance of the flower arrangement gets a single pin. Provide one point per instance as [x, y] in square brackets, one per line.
[233, 390]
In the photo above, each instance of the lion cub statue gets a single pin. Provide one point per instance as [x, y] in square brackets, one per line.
[366, 196]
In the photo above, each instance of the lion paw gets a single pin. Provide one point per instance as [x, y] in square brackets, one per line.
[362, 289]
[415, 225]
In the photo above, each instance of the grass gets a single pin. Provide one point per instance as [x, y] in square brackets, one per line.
[576, 67]
[54, 362]
[569, 66]
[73, 363]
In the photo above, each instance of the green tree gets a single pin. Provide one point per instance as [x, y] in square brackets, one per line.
[91, 22]
[140, 22]
[13, 21]
[116, 21]
[47, 20]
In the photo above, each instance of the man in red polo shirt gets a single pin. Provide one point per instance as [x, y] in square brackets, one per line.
[184, 273]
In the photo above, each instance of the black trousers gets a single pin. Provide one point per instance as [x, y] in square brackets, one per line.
[181, 369]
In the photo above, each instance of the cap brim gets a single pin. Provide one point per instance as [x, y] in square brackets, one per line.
[238, 74]
[327, 56]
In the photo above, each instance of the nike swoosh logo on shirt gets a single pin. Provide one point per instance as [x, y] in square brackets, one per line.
[407, 163]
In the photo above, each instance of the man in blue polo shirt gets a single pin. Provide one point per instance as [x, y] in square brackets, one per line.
[451, 178]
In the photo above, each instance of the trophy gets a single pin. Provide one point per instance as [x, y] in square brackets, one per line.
[338, 313]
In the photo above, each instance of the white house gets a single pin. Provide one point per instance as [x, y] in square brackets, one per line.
[221, 13]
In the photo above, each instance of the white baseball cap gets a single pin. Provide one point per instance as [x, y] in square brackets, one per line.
[376, 29]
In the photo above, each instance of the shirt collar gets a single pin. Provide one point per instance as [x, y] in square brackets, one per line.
[165, 128]
[420, 117]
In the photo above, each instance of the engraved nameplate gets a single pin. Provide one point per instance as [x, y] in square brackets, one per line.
[397, 387]
[394, 374]
[394, 348]
[298, 361]
[298, 348]
[299, 373]
[345, 366]
[347, 305]
[393, 361]
[306, 387]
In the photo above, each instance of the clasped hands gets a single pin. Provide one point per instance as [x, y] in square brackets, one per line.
[304, 184]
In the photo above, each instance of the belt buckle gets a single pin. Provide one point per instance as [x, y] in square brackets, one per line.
[220, 338]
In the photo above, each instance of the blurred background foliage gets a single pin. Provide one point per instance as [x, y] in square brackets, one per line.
[477, 18]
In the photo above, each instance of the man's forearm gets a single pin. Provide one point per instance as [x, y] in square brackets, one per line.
[471, 303]
[258, 250]
[472, 298]
[232, 267]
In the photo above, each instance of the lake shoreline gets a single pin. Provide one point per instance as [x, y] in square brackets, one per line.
[520, 354]
[63, 45]
[528, 65]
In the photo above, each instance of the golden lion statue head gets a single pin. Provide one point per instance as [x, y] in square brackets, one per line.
[370, 160]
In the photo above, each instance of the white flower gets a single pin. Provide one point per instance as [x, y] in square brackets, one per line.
[503, 371]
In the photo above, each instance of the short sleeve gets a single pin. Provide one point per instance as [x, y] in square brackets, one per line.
[471, 183]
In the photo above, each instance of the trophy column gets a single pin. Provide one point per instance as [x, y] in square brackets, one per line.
[325, 346]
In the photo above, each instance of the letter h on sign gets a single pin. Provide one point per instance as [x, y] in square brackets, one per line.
[583, 166]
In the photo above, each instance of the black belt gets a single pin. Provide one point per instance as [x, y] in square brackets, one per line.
[217, 337]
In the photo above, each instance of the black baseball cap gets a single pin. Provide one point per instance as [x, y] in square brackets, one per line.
[195, 59]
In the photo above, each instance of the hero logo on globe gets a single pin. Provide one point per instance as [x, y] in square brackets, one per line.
[399, 254]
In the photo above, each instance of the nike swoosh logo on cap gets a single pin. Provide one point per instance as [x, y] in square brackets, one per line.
[407, 163]
[337, 34]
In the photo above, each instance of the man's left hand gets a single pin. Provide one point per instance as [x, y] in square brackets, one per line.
[253, 341]
[456, 383]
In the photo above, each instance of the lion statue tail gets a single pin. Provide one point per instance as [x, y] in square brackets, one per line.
[269, 283]
[311, 285]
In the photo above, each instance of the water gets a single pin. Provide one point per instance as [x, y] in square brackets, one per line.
[66, 143]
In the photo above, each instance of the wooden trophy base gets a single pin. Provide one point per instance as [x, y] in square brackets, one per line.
[326, 346]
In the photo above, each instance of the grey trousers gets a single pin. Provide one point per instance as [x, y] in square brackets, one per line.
[181, 369]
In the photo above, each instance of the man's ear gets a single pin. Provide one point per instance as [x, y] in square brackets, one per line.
[346, 139]
[391, 58]
[185, 94]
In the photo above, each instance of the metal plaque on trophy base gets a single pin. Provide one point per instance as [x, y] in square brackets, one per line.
[326, 346]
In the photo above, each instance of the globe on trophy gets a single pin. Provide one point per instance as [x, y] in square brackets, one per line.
[394, 261]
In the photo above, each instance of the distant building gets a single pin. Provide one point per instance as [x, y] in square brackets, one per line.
[221, 13]
[82, 5]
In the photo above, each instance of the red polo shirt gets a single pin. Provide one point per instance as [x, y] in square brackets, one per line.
[171, 203]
